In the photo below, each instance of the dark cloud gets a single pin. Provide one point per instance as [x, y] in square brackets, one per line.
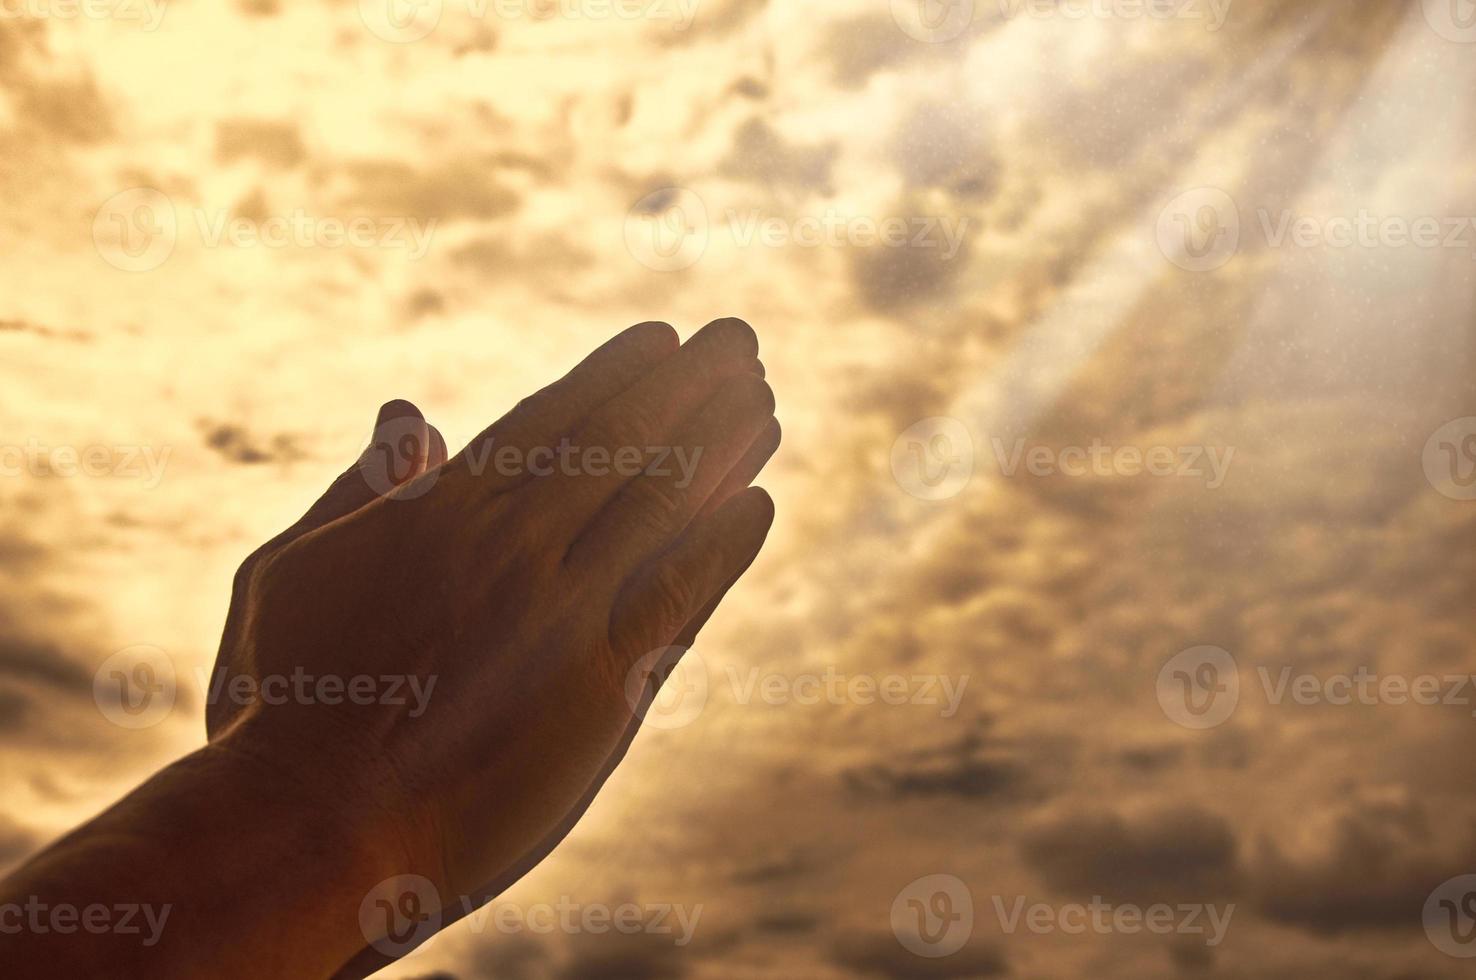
[511, 957]
[636, 956]
[1380, 866]
[69, 110]
[792, 865]
[859, 47]
[971, 768]
[239, 446]
[947, 145]
[1178, 854]
[891, 279]
[16, 844]
[714, 21]
[787, 923]
[275, 142]
[40, 330]
[462, 189]
[44, 663]
[761, 155]
[880, 955]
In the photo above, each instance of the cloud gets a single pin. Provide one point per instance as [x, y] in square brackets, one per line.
[761, 155]
[1171, 854]
[240, 446]
[16, 844]
[457, 189]
[634, 956]
[972, 768]
[509, 957]
[880, 955]
[274, 142]
[1374, 870]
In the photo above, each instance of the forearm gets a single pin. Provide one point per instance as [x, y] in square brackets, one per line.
[214, 867]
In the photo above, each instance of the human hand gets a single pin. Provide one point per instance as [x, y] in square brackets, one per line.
[514, 590]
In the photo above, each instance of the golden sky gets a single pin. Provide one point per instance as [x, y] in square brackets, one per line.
[231, 230]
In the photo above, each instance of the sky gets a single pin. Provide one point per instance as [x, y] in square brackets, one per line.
[1124, 362]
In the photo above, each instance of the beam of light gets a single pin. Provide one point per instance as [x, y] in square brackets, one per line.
[1097, 302]
[1385, 304]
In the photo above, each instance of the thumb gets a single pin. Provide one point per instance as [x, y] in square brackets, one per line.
[404, 445]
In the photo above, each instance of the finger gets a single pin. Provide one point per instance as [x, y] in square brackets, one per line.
[746, 470]
[650, 412]
[397, 453]
[656, 506]
[684, 584]
[547, 416]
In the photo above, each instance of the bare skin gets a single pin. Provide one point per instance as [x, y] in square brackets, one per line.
[538, 601]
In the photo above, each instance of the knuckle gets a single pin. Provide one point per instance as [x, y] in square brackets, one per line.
[753, 394]
[630, 424]
[246, 572]
[658, 503]
[670, 596]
